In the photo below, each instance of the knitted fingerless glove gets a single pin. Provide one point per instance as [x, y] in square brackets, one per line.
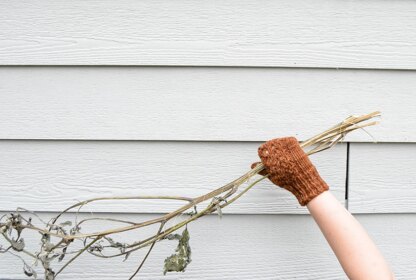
[289, 167]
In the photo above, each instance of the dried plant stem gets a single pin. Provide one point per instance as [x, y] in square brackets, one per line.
[79, 253]
[220, 198]
[148, 253]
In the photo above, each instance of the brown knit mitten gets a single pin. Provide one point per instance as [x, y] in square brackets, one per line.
[289, 167]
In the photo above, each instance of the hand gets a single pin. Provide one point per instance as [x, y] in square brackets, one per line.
[289, 167]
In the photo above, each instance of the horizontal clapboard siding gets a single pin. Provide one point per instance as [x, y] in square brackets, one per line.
[297, 33]
[53, 175]
[183, 103]
[244, 247]
[382, 178]
[127, 125]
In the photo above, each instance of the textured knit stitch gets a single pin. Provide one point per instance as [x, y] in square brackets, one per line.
[290, 168]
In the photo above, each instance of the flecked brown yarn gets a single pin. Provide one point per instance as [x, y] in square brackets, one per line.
[290, 168]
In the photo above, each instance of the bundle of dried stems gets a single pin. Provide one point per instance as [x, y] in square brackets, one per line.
[12, 224]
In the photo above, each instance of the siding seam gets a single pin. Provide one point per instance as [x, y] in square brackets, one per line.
[347, 174]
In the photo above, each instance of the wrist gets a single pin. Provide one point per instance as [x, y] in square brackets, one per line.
[326, 201]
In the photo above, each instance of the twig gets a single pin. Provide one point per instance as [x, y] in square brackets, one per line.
[148, 252]
[220, 198]
[77, 255]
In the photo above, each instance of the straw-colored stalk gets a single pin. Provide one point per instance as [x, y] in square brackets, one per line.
[220, 198]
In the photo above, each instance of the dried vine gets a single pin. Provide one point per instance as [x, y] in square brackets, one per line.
[12, 224]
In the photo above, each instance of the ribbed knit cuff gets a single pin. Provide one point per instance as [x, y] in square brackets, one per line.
[309, 186]
[307, 183]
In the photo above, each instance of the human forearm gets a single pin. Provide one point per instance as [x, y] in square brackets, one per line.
[289, 167]
[356, 252]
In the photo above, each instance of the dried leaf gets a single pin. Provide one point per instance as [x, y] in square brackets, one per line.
[76, 229]
[113, 243]
[18, 245]
[61, 257]
[173, 236]
[48, 246]
[49, 275]
[126, 256]
[178, 261]
[3, 228]
[219, 211]
[29, 271]
[66, 223]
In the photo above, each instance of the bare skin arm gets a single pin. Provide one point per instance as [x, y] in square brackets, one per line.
[289, 167]
[356, 252]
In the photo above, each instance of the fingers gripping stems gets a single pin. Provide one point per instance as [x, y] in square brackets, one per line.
[289, 167]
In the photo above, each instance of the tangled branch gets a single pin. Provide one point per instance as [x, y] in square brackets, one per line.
[97, 243]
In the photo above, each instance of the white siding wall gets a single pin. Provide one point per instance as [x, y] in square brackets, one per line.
[97, 98]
